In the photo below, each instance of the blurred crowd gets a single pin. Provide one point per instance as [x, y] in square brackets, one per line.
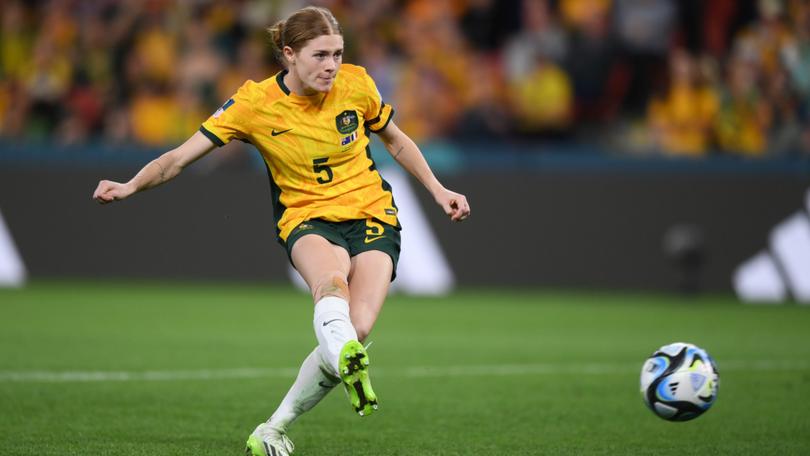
[672, 77]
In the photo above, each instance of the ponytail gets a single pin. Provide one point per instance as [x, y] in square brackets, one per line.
[276, 32]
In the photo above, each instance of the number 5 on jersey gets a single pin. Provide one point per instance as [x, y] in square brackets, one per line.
[319, 166]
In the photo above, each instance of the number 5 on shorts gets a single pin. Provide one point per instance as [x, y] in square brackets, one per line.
[374, 231]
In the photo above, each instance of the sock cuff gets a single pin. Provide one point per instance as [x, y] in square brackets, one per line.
[331, 304]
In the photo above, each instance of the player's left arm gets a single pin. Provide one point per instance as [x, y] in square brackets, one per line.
[408, 155]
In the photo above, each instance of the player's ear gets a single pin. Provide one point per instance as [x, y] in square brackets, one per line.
[289, 55]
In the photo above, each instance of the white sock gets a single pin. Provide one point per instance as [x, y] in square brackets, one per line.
[333, 328]
[311, 385]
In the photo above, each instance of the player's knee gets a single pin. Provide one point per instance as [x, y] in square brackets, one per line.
[331, 284]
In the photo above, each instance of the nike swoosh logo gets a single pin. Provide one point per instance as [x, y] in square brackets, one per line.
[371, 239]
[276, 133]
[330, 321]
[324, 385]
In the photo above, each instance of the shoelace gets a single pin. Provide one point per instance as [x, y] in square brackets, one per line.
[274, 436]
[287, 443]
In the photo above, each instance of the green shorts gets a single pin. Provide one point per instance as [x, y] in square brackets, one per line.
[356, 236]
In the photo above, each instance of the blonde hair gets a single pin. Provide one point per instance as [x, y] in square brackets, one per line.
[302, 26]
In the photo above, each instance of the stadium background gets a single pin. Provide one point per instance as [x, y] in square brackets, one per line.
[622, 159]
[585, 132]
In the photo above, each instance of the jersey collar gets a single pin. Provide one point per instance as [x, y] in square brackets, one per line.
[280, 81]
[316, 99]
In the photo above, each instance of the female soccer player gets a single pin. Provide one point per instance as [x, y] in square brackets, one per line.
[334, 213]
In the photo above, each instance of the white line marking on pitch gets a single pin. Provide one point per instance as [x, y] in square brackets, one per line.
[408, 372]
[123, 376]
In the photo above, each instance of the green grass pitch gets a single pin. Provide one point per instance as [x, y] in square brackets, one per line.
[128, 368]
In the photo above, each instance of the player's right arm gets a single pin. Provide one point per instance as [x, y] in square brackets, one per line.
[156, 172]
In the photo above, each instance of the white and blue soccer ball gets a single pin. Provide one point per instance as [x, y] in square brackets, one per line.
[679, 382]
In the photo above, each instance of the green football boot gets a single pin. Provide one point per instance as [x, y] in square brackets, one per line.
[268, 441]
[353, 364]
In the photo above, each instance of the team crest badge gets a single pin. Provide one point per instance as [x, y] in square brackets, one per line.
[346, 122]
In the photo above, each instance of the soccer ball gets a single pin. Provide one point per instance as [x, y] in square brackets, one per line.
[679, 382]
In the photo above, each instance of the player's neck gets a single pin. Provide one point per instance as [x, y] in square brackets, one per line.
[297, 86]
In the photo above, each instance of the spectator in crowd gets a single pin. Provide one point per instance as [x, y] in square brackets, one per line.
[540, 35]
[592, 65]
[16, 41]
[152, 113]
[47, 79]
[797, 53]
[542, 99]
[644, 31]
[681, 119]
[761, 42]
[796, 56]
[786, 129]
[156, 51]
[485, 115]
[745, 114]
[199, 64]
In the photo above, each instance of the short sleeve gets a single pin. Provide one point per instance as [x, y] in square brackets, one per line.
[378, 113]
[232, 119]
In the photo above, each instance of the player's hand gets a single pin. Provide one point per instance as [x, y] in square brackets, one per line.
[454, 204]
[109, 191]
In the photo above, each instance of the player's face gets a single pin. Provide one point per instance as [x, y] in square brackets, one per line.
[316, 65]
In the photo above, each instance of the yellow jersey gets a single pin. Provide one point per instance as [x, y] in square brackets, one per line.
[316, 148]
